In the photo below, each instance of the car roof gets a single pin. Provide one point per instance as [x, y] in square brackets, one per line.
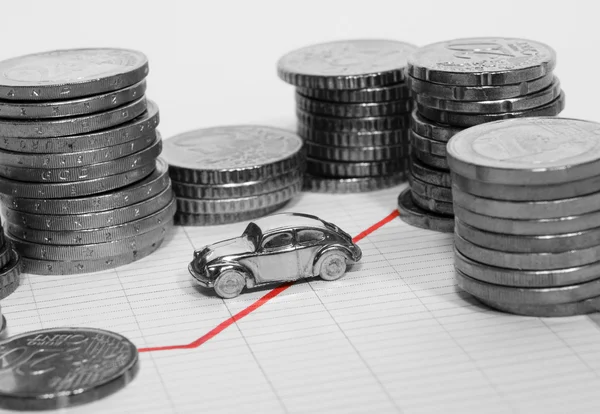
[282, 221]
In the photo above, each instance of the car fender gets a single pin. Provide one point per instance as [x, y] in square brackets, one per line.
[338, 247]
[223, 266]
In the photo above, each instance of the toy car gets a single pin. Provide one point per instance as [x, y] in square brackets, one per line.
[277, 248]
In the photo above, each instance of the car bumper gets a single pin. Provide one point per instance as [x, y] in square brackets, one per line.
[202, 279]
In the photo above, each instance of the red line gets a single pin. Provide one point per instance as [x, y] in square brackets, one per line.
[273, 293]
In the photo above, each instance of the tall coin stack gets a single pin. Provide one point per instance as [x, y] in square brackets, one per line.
[526, 197]
[233, 173]
[353, 109]
[461, 83]
[82, 189]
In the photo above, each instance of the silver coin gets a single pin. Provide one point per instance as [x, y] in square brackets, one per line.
[468, 120]
[485, 61]
[428, 145]
[528, 227]
[433, 205]
[538, 151]
[351, 185]
[18, 189]
[528, 296]
[83, 124]
[333, 169]
[554, 243]
[429, 174]
[525, 210]
[353, 110]
[143, 125]
[517, 104]
[237, 205]
[429, 159]
[75, 267]
[527, 261]
[134, 193]
[478, 93]
[90, 251]
[365, 124]
[235, 190]
[432, 130]
[73, 107]
[353, 139]
[86, 221]
[395, 92]
[10, 275]
[84, 172]
[63, 367]
[591, 305]
[75, 159]
[187, 219]
[232, 154]
[527, 192]
[70, 73]
[415, 216]
[91, 236]
[525, 278]
[346, 64]
[354, 154]
[428, 190]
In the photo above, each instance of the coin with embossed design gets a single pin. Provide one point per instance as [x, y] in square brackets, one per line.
[70, 73]
[536, 151]
[141, 190]
[485, 61]
[39, 368]
[71, 107]
[82, 124]
[143, 125]
[232, 154]
[346, 64]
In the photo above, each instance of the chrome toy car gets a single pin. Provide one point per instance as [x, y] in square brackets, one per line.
[277, 248]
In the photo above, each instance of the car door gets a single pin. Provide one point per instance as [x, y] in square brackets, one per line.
[308, 243]
[277, 259]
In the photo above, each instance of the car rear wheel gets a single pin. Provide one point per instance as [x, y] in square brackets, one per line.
[332, 265]
[230, 284]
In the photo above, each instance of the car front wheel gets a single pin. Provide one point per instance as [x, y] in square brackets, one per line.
[230, 284]
[332, 265]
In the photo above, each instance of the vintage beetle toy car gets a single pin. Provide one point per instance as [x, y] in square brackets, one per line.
[277, 248]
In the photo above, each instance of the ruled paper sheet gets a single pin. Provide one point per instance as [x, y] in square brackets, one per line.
[393, 336]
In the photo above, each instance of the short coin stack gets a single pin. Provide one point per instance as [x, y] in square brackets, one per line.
[461, 83]
[10, 271]
[81, 186]
[526, 197]
[233, 173]
[353, 110]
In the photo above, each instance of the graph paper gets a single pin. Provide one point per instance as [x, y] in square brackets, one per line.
[395, 335]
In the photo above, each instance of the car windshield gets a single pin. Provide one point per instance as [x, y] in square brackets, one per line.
[253, 235]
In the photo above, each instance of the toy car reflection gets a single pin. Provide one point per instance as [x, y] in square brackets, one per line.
[277, 248]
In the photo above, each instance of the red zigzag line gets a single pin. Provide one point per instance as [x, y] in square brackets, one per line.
[273, 293]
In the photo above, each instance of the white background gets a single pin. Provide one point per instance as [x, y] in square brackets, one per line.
[213, 62]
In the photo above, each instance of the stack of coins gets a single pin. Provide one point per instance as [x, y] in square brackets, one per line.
[78, 157]
[461, 83]
[526, 197]
[233, 173]
[353, 109]
[10, 271]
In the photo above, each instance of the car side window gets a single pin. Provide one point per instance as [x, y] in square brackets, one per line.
[278, 241]
[310, 236]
